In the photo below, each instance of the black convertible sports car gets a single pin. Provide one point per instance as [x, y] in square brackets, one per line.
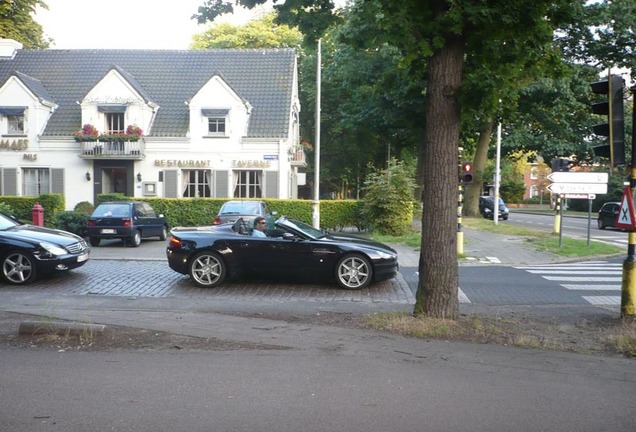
[27, 251]
[293, 249]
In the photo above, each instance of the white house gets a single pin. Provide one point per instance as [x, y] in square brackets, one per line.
[215, 123]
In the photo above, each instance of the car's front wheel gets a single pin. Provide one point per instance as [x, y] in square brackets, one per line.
[354, 272]
[207, 269]
[135, 240]
[601, 226]
[18, 268]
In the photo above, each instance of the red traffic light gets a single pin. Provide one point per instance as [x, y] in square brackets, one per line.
[467, 172]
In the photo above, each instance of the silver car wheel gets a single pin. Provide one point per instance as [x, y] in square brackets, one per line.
[354, 272]
[135, 240]
[18, 268]
[207, 269]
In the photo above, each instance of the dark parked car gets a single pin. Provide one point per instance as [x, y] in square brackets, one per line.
[487, 208]
[248, 210]
[128, 220]
[608, 214]
[293, 250]
[27, 251]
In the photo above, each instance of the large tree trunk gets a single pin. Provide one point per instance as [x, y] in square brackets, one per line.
[472, 192]
[438, 283]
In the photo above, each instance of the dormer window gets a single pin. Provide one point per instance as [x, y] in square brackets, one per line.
[114, 114]
[217, 120]
[14, 120]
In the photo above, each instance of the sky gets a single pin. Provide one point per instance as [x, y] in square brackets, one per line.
[125, 24]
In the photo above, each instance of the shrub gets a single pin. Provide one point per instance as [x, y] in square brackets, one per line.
[84, 207]
[6, 209]
[72, 221]
[388, 203]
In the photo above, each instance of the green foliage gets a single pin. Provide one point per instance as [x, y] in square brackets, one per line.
[388, 201]
[116, 196]
[6, 209]
[260, 33]
[72, 221]
[52, 204]
[85, 207]
[17, 23]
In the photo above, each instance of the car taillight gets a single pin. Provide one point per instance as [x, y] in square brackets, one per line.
[91, 223]
[217, 220]
[175, 242]
[126, 222]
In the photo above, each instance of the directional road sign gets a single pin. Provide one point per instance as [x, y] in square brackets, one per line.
[578, 188]
[578, 177]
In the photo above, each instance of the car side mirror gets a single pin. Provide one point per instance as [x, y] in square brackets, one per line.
[288, 236]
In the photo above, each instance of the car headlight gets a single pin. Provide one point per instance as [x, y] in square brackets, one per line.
[487, 210]
[381, 255]
[51, 250]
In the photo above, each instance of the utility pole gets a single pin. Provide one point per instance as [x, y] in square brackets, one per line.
[628, 286]
[315, 215]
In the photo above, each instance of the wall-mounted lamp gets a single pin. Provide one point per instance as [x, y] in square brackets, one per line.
[138, 176]
[88, 176]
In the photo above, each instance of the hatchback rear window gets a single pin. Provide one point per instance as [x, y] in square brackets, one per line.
[112, 210]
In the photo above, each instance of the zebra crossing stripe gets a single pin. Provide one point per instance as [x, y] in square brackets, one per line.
[593, 275]
[604, 300]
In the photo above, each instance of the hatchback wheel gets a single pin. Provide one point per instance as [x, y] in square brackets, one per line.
[135, 240]
[94, 241]
[600, 224]
[164, 233]
[207, 269]
[18, 268]
[354, 272]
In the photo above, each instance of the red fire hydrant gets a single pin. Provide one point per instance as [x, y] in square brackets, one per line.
[37, 212]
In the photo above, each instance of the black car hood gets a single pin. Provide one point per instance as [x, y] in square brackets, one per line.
[361, 242]
[35, 234]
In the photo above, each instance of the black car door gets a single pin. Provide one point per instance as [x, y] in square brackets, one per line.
[147, 219]
[277, 256]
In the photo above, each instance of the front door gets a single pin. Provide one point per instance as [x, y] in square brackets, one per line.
[113, 177]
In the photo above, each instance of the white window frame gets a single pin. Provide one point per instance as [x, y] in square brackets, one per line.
[115, 123]
[197, 181]
[248, 184]
[16, 124]
[36, 181]
[217, 126]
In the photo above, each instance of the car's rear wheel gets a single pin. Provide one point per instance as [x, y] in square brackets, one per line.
[135, 240]
[601, 226]
[207, 269]
[164, 233]
[354, 272]
[94, 241]
[18, 268]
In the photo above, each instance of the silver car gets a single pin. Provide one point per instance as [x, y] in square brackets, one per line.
[248, 210]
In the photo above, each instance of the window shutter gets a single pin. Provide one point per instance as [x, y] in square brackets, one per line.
[271, 184]
[170, 184]
[10, 181]
[57, 180]
[220, 184]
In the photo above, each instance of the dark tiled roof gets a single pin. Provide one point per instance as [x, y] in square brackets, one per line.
[35, 86]
[165, 77]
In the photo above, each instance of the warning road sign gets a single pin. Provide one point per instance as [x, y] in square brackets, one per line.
[625, 218]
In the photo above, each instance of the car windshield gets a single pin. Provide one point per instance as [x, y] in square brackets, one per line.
[240, 208]
[6, 222]
[112, 210]
[304, 228]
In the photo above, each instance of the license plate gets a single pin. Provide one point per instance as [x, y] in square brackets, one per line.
[82, 258]
[108, 231]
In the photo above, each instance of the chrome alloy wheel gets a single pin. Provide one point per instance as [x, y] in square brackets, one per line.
[18, 268]
[354, 272]
[207, 269]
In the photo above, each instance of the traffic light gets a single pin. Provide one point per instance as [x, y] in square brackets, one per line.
[614, 129]
[560, 165]
[467, 173]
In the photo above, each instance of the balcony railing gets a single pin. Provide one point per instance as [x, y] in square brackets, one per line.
[112, 150]
[297, 156]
